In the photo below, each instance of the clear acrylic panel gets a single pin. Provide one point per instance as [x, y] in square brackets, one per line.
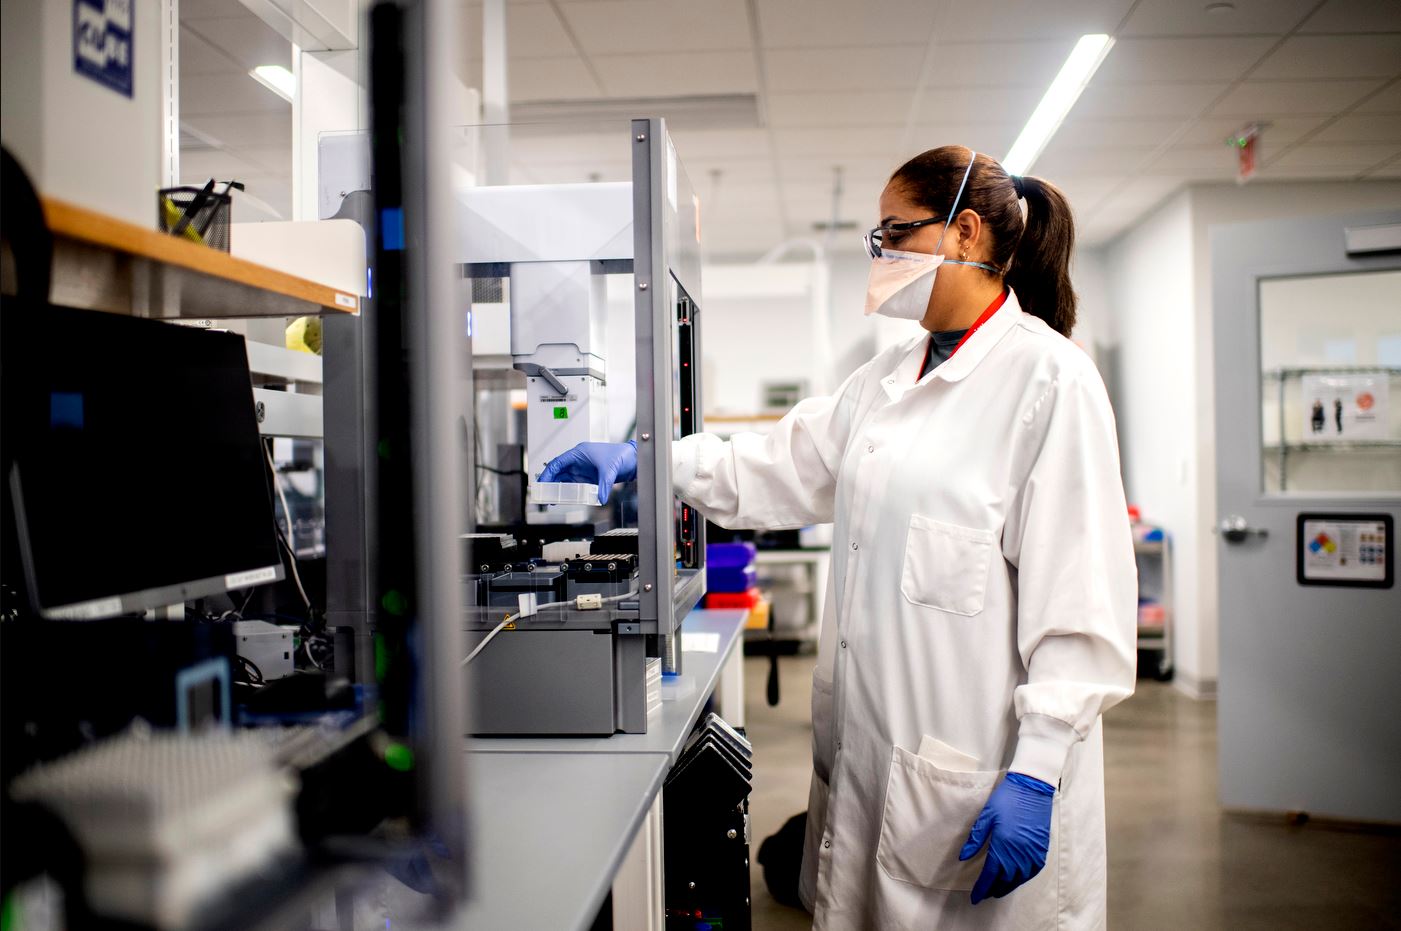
[546, 229]
[1330, 369]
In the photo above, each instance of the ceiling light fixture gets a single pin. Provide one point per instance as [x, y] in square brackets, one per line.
[1220, 9]
[276, 79]
[1084, 60]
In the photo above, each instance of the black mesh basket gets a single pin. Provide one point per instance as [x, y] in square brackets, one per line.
[192, 214]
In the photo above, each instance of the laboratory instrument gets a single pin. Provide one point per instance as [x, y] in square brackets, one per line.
[566, 600]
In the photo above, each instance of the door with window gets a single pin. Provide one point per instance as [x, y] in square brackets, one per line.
[1308, 488]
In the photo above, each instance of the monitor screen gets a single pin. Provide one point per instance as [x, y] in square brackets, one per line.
[133, 462]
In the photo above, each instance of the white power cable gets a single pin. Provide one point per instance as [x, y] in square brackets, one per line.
[551, 604]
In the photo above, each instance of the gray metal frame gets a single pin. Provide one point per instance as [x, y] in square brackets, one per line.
[352, 467]
[665, 263]
[666, 597]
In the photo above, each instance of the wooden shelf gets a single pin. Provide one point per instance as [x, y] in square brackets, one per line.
[102, 263]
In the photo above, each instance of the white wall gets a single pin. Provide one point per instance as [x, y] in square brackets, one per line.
[78, 140]
[1158, 315]
[1147, 290]
[758, 327]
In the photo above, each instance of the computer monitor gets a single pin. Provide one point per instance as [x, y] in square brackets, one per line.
[133, 464]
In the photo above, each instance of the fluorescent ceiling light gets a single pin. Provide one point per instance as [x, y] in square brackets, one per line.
[276, 79]
[1084, 60]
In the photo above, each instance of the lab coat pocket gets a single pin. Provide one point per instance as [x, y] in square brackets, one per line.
[927, 816]
[946, 566]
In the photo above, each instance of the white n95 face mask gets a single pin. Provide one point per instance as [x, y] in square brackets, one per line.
[901, 283]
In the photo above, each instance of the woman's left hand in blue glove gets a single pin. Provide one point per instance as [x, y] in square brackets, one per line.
[1016, 825]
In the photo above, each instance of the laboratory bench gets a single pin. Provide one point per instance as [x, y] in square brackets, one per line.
[559, 823]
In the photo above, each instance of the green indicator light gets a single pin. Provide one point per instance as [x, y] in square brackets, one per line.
[398, 757]
[395, 603]
[382, 448]
[561, 413]
[381, 658]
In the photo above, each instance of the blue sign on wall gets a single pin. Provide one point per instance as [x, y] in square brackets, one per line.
[102, 47]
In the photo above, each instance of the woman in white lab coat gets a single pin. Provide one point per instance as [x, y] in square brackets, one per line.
[981, 610]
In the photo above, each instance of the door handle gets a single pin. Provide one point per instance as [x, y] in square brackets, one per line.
[1235, 529]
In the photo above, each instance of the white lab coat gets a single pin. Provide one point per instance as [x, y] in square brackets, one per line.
[983, 593]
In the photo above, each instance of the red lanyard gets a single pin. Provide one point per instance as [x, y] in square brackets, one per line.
[983, 318]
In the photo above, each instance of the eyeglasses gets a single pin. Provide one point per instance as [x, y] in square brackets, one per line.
[874, 237]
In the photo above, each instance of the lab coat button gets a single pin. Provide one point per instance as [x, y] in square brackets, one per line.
[843, 644]
[870, 449]
[827, 844]
[854, 546]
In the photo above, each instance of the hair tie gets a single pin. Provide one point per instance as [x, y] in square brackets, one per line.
[1018, 186]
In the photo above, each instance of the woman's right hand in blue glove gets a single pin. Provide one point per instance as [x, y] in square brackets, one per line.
[599, 464]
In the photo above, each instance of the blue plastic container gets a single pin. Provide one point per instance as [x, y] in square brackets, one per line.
[729, 567]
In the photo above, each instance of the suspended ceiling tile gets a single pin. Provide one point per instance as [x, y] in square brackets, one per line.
[1080, 132]
[1032, 19]
[1361, 128]
[576, 172]
[1345, 160]
[1355, 16]
[1391, 169]
[1134, 101]
[245, 38]
[676, 73]
[1387, 100]
[1216, 58]
[1254, 100]
[1085, 192]
[992, 139]
[654, 26]
[1307, 173]
[198, 166]
[721, 143]
[994, 104]
[211, 9]
[1144, 193]
[817, 168]
[1003, 64]
[786, 24]
[550, 79]
[733, 171]
[200, 57]
[568, 147]
[880, 141]
[248, 129]
[532, 31]
[874, 71]
[1189, 18]
[1063, 160]
[1199, 162]
[229, 93]
[267, 160]
[839, 109]
[1279, 131]
[1352, 56]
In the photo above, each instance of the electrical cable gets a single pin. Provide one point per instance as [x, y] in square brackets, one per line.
[287, 539]
[487, 468]
[552, 604]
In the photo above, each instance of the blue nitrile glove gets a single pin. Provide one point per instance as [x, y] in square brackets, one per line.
[1017, 818]
[600, 464]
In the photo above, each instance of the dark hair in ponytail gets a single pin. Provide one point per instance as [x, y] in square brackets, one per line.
[1033, 253]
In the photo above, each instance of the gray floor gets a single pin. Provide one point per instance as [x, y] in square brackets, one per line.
[1175, 861]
